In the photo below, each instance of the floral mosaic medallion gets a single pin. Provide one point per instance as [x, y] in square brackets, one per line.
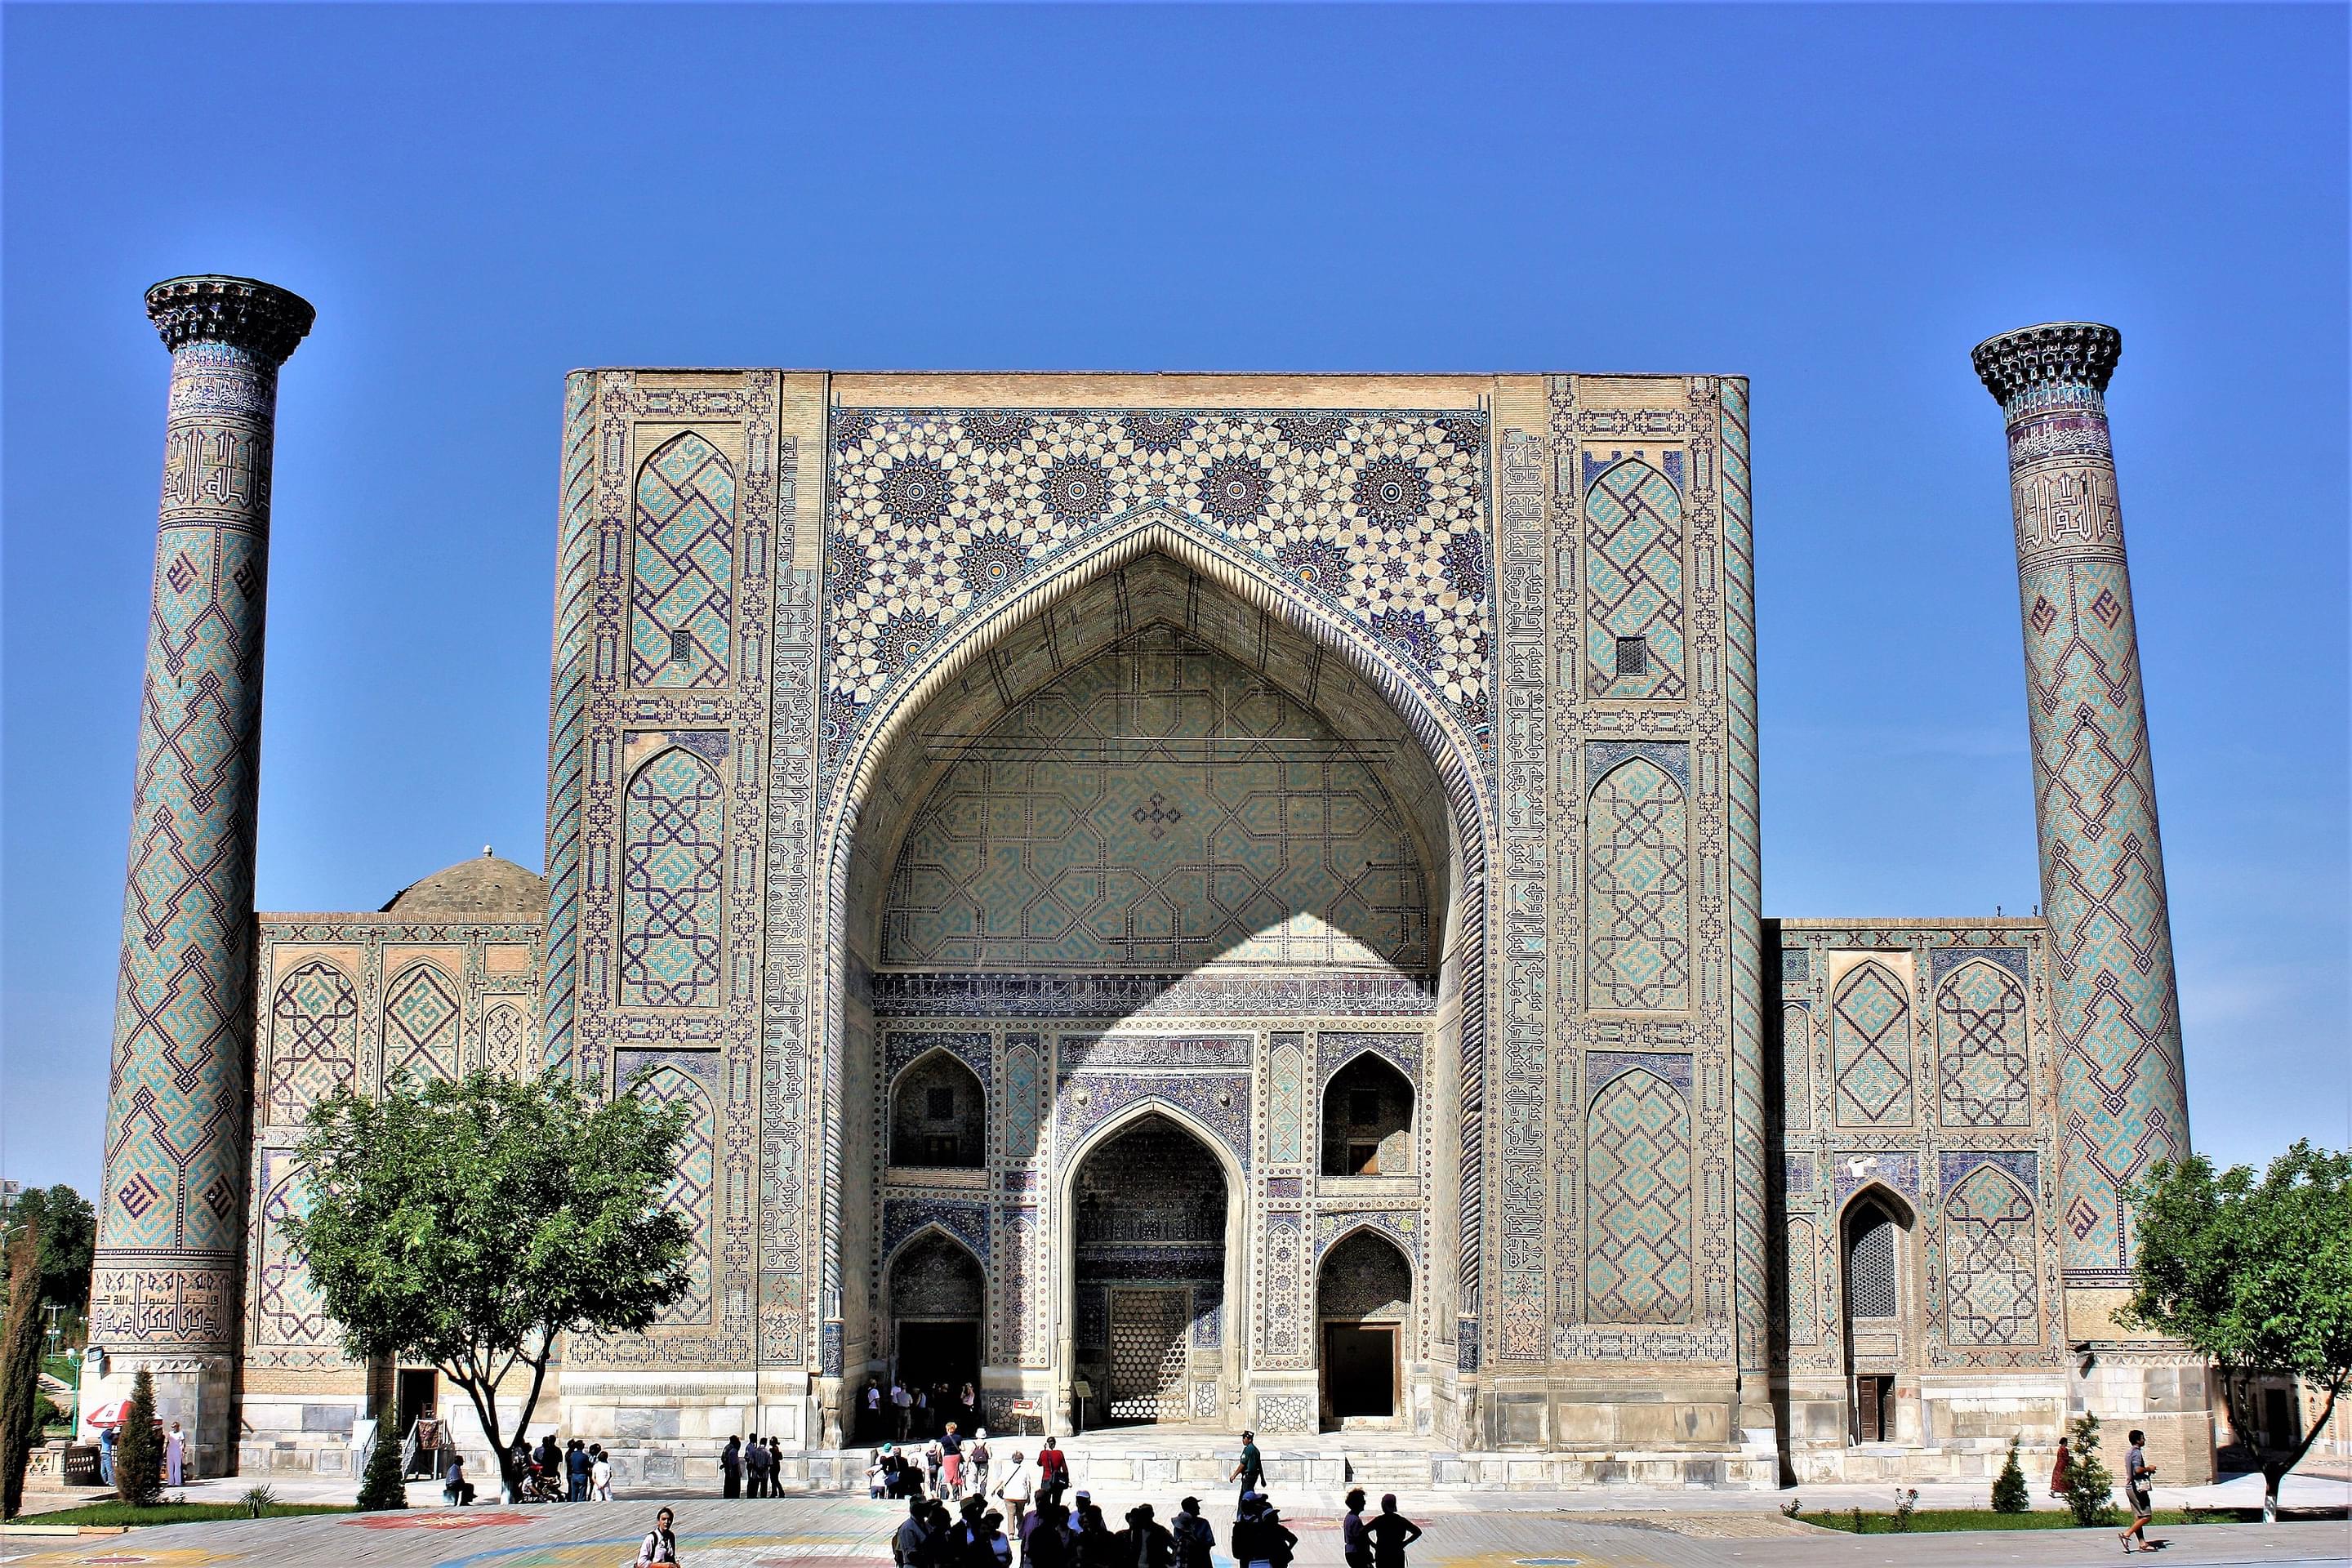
[1380, 516]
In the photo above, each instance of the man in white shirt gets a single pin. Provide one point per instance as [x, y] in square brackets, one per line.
[1018, 1485]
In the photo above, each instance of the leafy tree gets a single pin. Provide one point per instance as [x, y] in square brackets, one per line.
[68, 1232]
[381, 1487]
[2255, 1274]
[2089, 1488]
[2009, 1494]
[469, 1223]
[139, 1447]
[20, 1366]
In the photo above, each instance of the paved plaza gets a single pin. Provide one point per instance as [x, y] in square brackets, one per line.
[1465, 1529]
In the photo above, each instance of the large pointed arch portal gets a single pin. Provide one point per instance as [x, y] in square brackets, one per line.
[1147, 827]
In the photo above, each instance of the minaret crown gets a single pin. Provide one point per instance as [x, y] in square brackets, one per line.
[242, 312]
[2053, 355]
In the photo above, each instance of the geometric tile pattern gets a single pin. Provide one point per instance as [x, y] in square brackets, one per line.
[1638, 891]
[690, 1188]
[289, 1309]
[1980, 1049]
[673, 867]
[1804, 1283]
[681, 592]
[2114, 1003]
[170, 1204]
[506, 1041]
[1380, 515]
[1633, 583]
[422, 1017]
[314, 1040]
[1989, 1261]
[1638, 1170]
[1870, 1031]
[1796, 1066]
[1158, 807]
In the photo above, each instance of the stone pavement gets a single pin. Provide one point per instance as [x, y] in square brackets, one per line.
[1662, 1531]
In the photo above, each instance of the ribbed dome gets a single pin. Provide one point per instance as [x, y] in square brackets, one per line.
[485, 888]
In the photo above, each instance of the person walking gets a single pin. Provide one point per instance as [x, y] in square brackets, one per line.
[1280, 1544]
[1195, 1539]
[1249, 1541]
[902, 1407]
[106, 1457]
[2137, 1474]
[1043, 1545]
[1018, 1485]
[660, 1544]
[1391, 1532]
[951, 1446]
[975, 1462]
[1251, 1471]
[175, 1451]
[1355, 1542]
[934, 1462]
[873, 1421]
[1053, 1472]
[730, 1466]
[2062, 1471]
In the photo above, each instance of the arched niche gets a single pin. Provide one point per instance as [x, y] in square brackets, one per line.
[1368, 1130]
[1363, 1308]
[1154, 590]
[1152, 1275]
[938, 1115]
[936, 1296]
[1875, 1254]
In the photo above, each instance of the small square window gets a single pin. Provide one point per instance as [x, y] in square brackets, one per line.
[940, 1103]
[1633, 656]
[1363, 1105]
[941, 1150]
[681, 647]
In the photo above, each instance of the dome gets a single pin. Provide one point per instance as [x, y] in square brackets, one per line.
[485, 888]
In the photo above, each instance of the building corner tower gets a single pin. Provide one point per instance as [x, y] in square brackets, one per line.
[2114, 1003]
[164, 1288]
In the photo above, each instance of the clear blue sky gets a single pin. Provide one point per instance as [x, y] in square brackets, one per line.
[1837, 203]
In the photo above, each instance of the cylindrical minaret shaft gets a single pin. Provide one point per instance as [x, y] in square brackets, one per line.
[2113, 1002]
[164, 1287]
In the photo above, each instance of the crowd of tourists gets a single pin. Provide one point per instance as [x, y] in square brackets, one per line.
[902, 1411]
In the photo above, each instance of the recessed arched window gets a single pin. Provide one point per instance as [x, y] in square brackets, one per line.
[1870, 1252]
[939, 1116]
[1368, 1120]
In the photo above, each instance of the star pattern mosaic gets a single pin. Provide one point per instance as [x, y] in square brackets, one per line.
[1381, 514]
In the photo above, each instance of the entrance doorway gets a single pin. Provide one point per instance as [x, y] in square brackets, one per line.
[1360, 1371]
[1149, 1280]
[938, 1353]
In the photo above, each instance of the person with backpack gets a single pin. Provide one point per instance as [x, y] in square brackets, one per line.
[1195, 1539]
[975, 1463]
[660, 1544]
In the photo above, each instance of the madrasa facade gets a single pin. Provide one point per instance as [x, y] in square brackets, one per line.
[1215, 901]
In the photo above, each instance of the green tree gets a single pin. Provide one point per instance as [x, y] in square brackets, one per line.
[2255, 1273]
[68, 1232]
[20, 1366]
[468, 1225]
[2089, 1488]
[138, 1446]
[2008, 1493]
[381, 1487]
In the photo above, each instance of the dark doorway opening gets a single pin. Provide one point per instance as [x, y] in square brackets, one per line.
[1360, 1370]
[936, 1352]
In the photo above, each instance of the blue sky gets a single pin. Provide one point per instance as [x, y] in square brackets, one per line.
[1837, 203]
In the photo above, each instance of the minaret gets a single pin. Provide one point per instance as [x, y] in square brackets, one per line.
[2112, 999]
[164, 1289]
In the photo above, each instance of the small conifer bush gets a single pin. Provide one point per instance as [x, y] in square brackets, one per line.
[380, 1486]
[2009, 1494]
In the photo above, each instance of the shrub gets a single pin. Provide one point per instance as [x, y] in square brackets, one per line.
[258, 1500]
[1904, 1501]
[380, 1486]
[1793, 1508]
[139, 1447]
[2088, 1485]
[2008, 1493]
